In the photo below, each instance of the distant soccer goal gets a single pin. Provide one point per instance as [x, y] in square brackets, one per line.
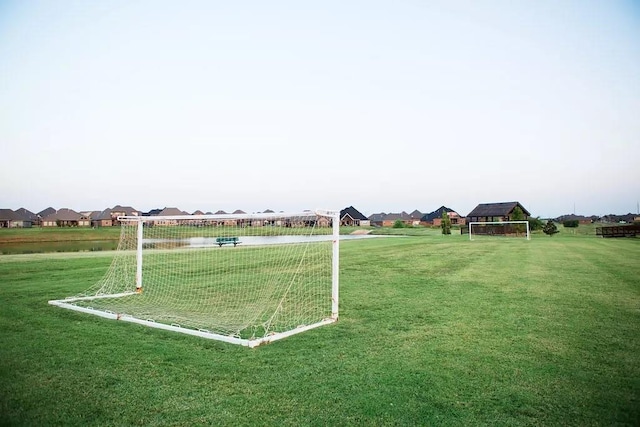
[243, 279]
[500, 229]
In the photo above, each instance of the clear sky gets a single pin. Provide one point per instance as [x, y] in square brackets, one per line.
[290, 105]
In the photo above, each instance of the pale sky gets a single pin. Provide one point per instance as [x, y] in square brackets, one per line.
[291, 105]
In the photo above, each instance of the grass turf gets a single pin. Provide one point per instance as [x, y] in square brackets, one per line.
[433, 330]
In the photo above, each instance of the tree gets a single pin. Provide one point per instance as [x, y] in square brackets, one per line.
[535, 224]
[571, 223]
[398, 224]
[550, 228]
[518, 215]
[445, 223]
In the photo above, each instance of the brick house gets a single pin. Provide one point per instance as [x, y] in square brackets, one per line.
[503, 211]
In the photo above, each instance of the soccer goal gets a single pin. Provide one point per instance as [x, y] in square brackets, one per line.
[499, 228]
[246, 279]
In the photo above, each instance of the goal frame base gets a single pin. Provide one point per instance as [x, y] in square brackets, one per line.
[251, 343]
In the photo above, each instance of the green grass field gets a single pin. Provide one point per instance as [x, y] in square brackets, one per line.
[434, 330]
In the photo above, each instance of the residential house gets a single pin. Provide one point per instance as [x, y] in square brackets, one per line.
[503, 211]
[102, 218]
[29, 216]
[170, 212]
[66, 218]
[415, 216]
[118, 211]
[11, 219]
[377, 219]
[435, 218]
[45, 212]
[390, 219]
[350, 216]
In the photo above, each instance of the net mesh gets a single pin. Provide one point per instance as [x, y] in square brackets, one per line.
[244, 277]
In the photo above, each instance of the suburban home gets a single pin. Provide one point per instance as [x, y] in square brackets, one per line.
[489, 212]
[11, 219]
[376, 219]
[29, 216]
[415, 216]
[118, 210]
[390, 219]
[45, 212]
[102, 218]
[350, 216]
[66, 218]
[435, 218]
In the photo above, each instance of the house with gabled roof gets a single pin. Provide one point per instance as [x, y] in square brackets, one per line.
[46, 212]
[502, 211]
[376, 219]
[435, 218]
[350, 216]
[119, 210]
[390, 219]
[102, 218]
[152, 212]
[28, 216]
[10, 219]
[66, 218]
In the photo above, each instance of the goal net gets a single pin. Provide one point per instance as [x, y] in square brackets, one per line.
[500, 229]
[243, 279]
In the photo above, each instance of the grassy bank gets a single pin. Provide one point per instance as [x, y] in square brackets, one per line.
[434, 331]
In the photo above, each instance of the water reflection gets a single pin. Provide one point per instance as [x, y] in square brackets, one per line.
[210, 242]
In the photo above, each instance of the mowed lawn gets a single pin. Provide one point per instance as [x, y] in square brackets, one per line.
[433, 330]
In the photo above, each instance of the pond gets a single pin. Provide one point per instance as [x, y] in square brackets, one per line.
[192, 242]
[68, 246]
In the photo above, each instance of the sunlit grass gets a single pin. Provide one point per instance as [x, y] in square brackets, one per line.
[434, 330]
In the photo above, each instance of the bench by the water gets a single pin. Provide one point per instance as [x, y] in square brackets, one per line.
[227, 240]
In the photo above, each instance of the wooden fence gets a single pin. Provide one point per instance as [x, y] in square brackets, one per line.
[631, 230]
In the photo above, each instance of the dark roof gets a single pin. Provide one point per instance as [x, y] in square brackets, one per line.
[105, 214]
[239, 211]
[198, 212]
[397, 216]
[220, 212]
[172, 212]
[46, 212]
[496, 209]
[377, 217]
[416, 214]
[152, 212]
[128, 210]
[9, 215]
[436, 214]
[64, 214]
[353, 213]
[27, 214]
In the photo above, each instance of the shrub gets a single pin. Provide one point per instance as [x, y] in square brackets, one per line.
[571, 223]
[535, 224]
[550, 228]
[398, 224]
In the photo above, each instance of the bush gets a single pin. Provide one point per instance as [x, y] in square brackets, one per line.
[571, 223]
[398, 224]
[535, 224]
[550, 228]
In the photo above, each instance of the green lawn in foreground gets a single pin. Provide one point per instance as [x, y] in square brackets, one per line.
[434, 331]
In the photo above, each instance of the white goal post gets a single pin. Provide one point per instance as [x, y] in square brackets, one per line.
[497, 228]
[246, 279]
